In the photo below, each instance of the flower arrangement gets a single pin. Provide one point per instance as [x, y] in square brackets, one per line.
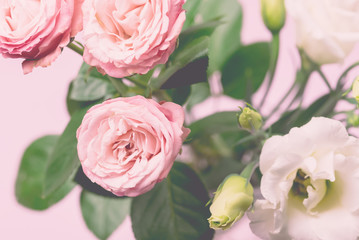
[133, 148]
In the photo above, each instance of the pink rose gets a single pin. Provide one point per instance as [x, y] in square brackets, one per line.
[127, 145]
[123, 37]
[37, 30]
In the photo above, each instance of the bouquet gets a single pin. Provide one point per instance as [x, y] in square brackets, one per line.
[136, 147]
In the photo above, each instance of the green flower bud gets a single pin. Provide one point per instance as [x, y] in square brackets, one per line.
[273, 14]
[353, 119]
[250, 119]
[355, 89]
[232, 199]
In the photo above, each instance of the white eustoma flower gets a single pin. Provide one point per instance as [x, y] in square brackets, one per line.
[310, 184]
[326, 30]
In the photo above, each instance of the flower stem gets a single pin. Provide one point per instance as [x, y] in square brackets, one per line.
[339, 83]
[119, 85]
[273, 65]
[324, 78]
[76, 48]
[282, 100]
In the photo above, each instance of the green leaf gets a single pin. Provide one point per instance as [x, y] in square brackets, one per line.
[63, 161]
[103, 215]
[226, 39]
[179, 95]
[194, 32]
[191, 7]
[323, 106]
[199, 93]
[90, 85]
[216, 123]
[193, 44]
[174, 209]
[245, 70]
[73, 105]
[31, 176]
[90, 186]
[214, 174]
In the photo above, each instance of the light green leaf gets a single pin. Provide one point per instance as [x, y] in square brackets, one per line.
[103, 214]
[31, 176]
[90, 85]
[245, 70]
[199, 93]
[63, 161]
[174, 209]
[74, 105]
[226, 39]
[191, 7]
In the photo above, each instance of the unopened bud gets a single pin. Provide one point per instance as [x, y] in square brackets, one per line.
[353, 119]
[232, 199]
[355, 89]
[250, 119]
[273, 14]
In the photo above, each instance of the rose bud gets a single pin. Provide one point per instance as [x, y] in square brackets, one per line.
[232, 199]
[273, 14]
[127, 37]
[250, 120]
[127, 145]
[38, 30]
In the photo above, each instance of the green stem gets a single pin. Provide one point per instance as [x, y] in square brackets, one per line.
[282, 100]
[273, 65]
[119, 85]
[324, 78]
[248, 171]
[76, 48]
[249, 138]
[339, 83]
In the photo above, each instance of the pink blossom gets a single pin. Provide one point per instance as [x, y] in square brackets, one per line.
[37, 30]
[127, 145]
[132, 36]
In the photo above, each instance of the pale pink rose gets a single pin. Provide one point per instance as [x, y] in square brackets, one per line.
[127, 145]
[123, 37]
[37, 30]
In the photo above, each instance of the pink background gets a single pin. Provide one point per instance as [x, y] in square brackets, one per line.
[34, 105]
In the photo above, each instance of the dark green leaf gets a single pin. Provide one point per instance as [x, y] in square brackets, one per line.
[63, 161]
[245, 70]
[214, 174]
[174, 209]
[90, 85]
[31, 176]
[216, 123]
[90, 186]
[193, 44]
[226, 39]
[179, 95]
[103, 214]
[199, 93]
[296, 118]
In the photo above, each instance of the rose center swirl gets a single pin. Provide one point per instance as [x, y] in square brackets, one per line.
[128, 149]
